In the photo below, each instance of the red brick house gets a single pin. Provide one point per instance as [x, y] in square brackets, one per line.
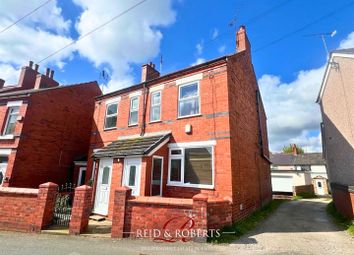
[44, 128]
[169, 138]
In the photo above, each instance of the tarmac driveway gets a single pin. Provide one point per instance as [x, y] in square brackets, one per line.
[297, 227]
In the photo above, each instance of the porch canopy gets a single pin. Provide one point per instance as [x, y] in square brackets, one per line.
[137, 146]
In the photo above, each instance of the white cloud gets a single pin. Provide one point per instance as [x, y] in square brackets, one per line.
[198, 61]
[134, 38]
[199, 48]
[215, 33]
[222, 49]
[348, 42]
[33, 38]
[293, 115]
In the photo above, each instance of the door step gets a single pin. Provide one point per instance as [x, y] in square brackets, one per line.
[97, 218]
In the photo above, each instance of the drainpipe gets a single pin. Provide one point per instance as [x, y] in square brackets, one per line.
[145, 97]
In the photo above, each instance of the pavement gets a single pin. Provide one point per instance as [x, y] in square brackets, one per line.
[296, 227]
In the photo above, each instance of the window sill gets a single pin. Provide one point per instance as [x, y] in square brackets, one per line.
[7, 137]
[155, 121]
[189, 116]
[199, 186]
[133, 125]
[108, 129]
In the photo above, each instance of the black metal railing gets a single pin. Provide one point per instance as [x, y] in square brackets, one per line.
[63, 204]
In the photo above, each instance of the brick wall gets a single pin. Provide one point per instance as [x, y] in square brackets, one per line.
[27, 210]
[343, 200]
[250, 169]
[131, 220]
[56, 130]
[303, 189]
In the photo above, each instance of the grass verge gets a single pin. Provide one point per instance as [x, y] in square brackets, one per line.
[304, 195]
[339, 219]
[243, 226]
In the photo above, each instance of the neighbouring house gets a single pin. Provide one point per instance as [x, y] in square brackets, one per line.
[44, 128]
[199, 130]
[336, 99]
[296, 173]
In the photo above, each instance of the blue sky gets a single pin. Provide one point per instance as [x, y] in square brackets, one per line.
[187, 32]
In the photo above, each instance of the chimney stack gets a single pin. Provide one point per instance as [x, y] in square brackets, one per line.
[148, 72]
[242, 42]
[294, 149]
[2, 82]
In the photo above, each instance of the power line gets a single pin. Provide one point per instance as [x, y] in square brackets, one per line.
[23, 17]
[305, 26]
[93, 30]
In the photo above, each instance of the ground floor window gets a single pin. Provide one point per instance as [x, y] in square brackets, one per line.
[191, 166]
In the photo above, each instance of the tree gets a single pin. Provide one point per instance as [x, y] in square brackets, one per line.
[291, 148]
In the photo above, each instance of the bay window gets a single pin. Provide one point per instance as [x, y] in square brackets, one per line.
[13, 113]
[188, 100]
[111, 116]
[191, 166]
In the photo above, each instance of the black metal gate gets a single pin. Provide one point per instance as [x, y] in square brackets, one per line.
[63, 205]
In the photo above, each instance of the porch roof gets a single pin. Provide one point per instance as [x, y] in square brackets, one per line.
[132, 147]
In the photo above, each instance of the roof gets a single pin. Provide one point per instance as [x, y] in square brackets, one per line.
[282, 159]
[348, 53]
[344, 51]
[132, 147]
[32, 91]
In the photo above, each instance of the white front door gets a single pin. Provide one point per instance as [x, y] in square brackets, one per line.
[131, 175]
[320, 190]
[103, 186]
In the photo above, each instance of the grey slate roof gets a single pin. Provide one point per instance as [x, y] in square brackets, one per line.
[344, 51]
[282, 159]
[130, 147]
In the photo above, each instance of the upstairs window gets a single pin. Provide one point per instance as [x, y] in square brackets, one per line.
[111, 116]
[155, 109]
[188, 100]
[134, 109]
[13, 113]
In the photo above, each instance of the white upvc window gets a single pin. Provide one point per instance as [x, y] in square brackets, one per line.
[134, 110]
[191, 166]
[189, 100]
[155, 108]
[110, 121]
[11, 120]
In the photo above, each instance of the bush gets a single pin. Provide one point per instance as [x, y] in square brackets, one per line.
[304, 195]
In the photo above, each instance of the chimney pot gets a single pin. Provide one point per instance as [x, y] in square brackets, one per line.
[51, 75]
[47, 71]
[36, 66]
[30, 64]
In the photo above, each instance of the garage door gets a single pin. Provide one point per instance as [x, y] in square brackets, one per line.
[282, 183]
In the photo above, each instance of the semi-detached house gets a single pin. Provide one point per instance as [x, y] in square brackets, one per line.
[44, 128]
[200, 130]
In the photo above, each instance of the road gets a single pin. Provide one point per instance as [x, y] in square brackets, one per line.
[297, 227]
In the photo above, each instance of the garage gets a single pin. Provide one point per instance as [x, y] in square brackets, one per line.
[282, 183]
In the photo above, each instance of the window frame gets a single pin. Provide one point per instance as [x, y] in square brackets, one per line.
[9, 114]
[111, 115]
[152, 105]
[182, 147]
[179, 100]
[130, 111]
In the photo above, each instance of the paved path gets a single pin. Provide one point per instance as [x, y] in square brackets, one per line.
[297, 227]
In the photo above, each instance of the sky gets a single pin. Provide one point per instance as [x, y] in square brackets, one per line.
[288, 56]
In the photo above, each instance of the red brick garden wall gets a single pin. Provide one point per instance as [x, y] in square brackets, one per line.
[344, 201]
[27, 210]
